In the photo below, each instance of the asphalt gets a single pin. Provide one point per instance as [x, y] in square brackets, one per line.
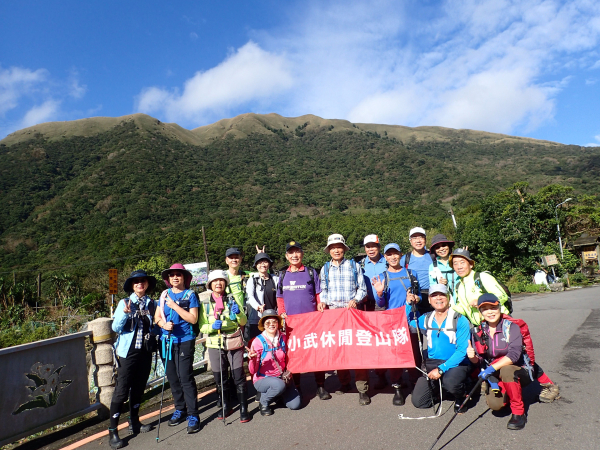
[566, 335]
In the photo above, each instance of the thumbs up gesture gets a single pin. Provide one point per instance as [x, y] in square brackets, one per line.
[471, 351]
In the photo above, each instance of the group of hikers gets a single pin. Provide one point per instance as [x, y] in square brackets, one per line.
[463, 315]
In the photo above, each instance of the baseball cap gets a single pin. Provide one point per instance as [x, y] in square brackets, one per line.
[232, 251]
[390, 246]
[371, 239]
[416, 230]
[441, 288]
[293, 244]
[489, 299]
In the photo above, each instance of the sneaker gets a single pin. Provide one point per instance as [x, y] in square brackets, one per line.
[364, 399]
[550, 392]
[516, 422]
[322, 393]
[177, 418]
[343, 389]
[193, 424]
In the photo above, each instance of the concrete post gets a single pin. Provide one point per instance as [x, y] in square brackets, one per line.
[103, 362]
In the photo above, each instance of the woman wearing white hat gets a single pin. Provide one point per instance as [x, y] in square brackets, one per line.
[221, 319]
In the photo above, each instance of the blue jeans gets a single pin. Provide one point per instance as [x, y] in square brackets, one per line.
[271, 388]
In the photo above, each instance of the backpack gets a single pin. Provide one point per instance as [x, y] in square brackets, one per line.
[185, 304]
[266, 350]
[364, 260]
[453, 323]
[354, 272]
[482, 288]
[386, 283]
[407, 259]
[283, 271]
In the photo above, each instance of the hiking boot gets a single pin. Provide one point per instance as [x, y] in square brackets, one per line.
[517, 422]
[322, 393]
[135, 426]
[265, 410]
[550, 392]
[398, 399]
[381, 383]
[364, 399]
[193, 424]
[113, 439]
[343, 389]
[242, 395]
[177, 418]
[257, 397]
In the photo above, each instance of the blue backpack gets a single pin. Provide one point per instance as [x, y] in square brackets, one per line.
[266, 350]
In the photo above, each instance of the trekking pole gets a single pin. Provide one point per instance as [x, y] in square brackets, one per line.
[221, 372]
[456, 412]
[162, 395]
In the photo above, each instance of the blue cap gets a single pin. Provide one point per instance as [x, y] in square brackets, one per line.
[489, 299]
[390, 246]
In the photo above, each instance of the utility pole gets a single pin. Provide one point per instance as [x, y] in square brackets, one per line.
[453, 218]
[205, 250]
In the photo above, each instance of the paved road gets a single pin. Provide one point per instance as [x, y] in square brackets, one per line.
[566, 333]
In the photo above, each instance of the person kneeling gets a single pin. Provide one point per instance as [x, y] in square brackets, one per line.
[446, 360]
[500, 341]
[267, 365]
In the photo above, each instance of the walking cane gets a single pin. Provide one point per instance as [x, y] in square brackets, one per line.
[162, 395]
[221, 372]
[456, 412]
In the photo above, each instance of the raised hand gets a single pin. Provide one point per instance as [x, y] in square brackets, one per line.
[378, 284]
[127, 308]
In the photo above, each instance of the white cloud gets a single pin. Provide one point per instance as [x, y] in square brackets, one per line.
[193, 36]
[250, 73]
[76, 90]
[16, 82]
[39, 114]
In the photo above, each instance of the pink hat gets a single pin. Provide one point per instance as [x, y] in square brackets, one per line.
[187, 275]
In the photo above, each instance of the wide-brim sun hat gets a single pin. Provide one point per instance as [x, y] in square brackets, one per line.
[187, 275]
[216, 275]
[128, 285]
[335, 239]
[260, 256]
[487, 299]
[461, 253]
[438, 287]
[267, 314]
[439, 239]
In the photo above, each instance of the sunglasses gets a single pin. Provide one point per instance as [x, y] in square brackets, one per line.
[271, 321]
[139, 280]
[175, 274]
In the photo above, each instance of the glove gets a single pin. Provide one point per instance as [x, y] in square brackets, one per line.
[495, 387]
[484, 374]
[235, 309]
[217, 324]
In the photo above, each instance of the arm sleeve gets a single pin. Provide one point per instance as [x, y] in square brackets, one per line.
[463, 334]
[251, 299]
[120, 318]
[318, 298]
[253, 363]
[324, 292]
[361, 291]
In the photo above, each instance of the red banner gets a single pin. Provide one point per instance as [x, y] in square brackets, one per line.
[348, 339]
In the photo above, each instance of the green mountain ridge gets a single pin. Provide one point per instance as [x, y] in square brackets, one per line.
[104, 188]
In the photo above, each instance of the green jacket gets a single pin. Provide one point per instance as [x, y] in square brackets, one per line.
[467, 292]
[207, 318]
[237, 287]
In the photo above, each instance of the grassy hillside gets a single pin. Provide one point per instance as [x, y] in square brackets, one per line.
[105, 188]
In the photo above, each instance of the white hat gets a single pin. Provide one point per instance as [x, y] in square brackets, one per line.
[217, 275]
[371, 239]
[416, 230]
[335, 239]
[442, 288]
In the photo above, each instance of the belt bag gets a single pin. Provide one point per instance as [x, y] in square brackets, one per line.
[233, 341]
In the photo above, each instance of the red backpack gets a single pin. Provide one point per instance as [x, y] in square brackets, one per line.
[480, 341]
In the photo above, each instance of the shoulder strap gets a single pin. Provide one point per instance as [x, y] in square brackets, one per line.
[478, 283]
[386, 283]
[354, 271]
[327, 264]
[407, 260]
[434, 259]
[281, 276]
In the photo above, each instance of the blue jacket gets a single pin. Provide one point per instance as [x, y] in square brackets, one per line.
[123, 323]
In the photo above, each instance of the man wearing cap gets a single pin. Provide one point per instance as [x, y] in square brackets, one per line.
[393, 290]
[237, 277]
[298, 291]
[373, 264]
[448, 335]
[343, 286]
[467, 292]
[418, 260]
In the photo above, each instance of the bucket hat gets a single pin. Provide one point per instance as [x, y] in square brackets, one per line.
[335, 239]
[128, 285]
[269, 313]
[260, 256]
[462, 253]
[217, 275]
[187, 275]
[440, 239]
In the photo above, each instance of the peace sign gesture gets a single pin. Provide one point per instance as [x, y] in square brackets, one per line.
[127, 308]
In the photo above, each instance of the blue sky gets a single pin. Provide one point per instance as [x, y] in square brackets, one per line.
[528, 67]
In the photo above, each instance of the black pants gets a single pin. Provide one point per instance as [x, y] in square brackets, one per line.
[132, 376]
[319, 378]
[181, 378]
[454, 381]
[250, 331]
[233, 359]
[423, 306]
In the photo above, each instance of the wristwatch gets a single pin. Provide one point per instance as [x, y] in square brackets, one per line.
[440, 371]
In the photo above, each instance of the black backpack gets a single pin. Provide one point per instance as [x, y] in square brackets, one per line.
[481, 287]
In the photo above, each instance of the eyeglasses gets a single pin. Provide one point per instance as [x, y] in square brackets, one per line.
[271, 321]
[417, 238]
[175, 274]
